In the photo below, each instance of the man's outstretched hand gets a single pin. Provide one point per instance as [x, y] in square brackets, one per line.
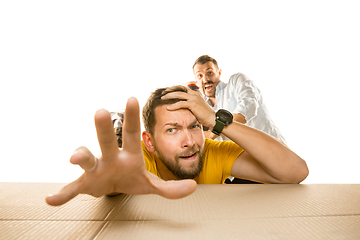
[118, 170]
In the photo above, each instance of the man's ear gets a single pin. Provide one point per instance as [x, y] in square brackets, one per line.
[148, 141]
[220, 71]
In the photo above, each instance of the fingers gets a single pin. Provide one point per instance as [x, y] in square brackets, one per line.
[84, 158]
[180, 104]
[66, 194]
[178, 189]
[192, 100]
[195, 103]
[175, 189]
[179, 95]
[131, 129]
[87, 161]
[105, 133]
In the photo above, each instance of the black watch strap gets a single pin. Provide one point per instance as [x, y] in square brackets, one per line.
[219, 126]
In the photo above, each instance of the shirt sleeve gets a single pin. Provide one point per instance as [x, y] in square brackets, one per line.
[247, 96]
[224, 154]
[232, 152]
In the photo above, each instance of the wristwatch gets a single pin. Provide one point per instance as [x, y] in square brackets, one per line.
[223, 118]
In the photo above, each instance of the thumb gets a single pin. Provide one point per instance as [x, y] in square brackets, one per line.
[175, 189]
[66, 194]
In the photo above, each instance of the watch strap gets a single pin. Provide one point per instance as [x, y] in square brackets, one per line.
[219, 126]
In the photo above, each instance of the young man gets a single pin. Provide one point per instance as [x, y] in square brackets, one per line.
[240, 96]
[174, 148]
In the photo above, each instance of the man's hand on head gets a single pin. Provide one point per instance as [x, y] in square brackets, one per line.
[193, 101]
[118, 170]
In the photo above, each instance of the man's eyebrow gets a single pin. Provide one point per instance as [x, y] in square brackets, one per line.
[172, 124]
[176, 124]
[194, 122]
[210, 68]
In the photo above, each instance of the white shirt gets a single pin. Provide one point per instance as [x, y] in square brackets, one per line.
[240, 95]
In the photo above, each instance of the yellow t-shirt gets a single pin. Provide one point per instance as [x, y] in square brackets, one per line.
[218, 160]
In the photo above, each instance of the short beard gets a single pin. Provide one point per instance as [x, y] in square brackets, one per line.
[177, 170]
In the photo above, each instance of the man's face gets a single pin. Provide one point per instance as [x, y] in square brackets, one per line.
[179, 142]
[207, 78]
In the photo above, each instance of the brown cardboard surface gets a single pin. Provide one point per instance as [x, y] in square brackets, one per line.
[247, 201]
[49, 229]
[212, 212]
[26, 201]
[340, 227]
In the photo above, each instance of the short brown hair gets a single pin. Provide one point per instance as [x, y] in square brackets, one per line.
[154, 101]
[204, 59]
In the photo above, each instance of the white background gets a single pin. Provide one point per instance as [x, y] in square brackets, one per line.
[60, 61]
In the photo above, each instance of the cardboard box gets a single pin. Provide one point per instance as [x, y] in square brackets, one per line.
[212, 212]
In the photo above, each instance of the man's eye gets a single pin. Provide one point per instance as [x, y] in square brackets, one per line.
[209, 73]
[195, 127]
[171, 130]
[199, 76]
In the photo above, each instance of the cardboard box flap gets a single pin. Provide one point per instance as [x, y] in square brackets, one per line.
[212, 212]
[26, 201]
[246, 202]
[340, 227]
[50, 229]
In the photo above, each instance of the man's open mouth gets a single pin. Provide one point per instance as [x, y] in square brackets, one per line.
[188, 156]
[208, 87]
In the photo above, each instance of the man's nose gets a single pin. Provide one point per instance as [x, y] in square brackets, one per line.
[205, 79]
[188, 140]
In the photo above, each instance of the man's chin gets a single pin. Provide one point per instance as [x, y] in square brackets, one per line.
[209, 94]
[189, 169]
[189, 166]
[184, 168]
[188, 174]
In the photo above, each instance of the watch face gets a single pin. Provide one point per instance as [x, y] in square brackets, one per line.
[224, 116]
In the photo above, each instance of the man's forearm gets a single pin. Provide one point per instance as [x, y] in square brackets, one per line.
[275, 157]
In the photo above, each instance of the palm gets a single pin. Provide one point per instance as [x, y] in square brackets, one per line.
[118, 170]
